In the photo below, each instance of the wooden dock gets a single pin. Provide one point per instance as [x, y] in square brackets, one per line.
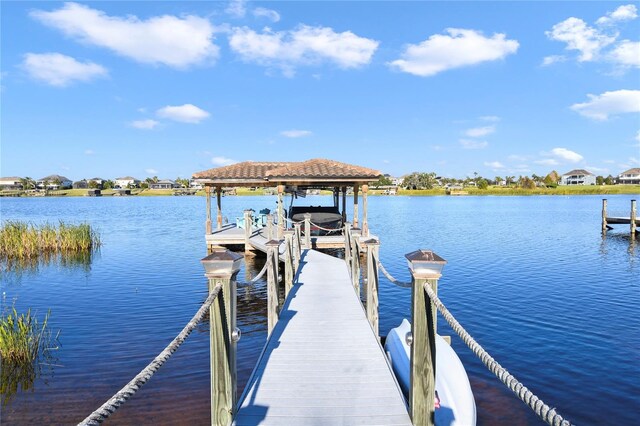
[323, 363]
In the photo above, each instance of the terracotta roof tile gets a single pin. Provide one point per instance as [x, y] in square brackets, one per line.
[250, 170]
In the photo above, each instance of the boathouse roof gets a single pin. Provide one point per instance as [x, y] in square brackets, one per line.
[315, 171]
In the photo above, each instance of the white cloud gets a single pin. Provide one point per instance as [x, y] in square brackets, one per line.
[477, 132]
[295, 133]
[60, 70]
[547, 162]
[261, 12]
[151, 171]
[495, 165]
[626, 53]
[186, 113]
[492, 118]
[89, 152]
[237, 8]
[460, 48]
[168, 40]
[222, 161]
[600, 107]
[567, 155]
[581, 37]
[473, 144]
[144, 124]
[305, 45]
[548, 60]
[622, 13]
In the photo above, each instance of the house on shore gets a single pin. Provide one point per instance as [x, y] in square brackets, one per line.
[630, 177]
[126, 182]
[54, 182]
[578, 177]
[163, 184]
[10, 183]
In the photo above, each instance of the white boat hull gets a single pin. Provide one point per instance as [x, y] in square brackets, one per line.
[457, 406]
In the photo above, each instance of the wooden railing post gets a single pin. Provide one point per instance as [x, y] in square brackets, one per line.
[365, 222]
[272, 284]
[207, 191]
[219, 207]
[604, 216]
[248, 228]
[425, 268]
[269, 226]
[281, 219]
[307, 230]
[288, 262]
[373, 278]
[355, 259]
[297, 245]
[347, 244]
[223, 336]
[632, 218]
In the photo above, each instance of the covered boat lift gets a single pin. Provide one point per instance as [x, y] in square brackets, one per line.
[286, 177]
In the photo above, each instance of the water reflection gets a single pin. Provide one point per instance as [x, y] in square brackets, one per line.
[17, 268]
[617, 242]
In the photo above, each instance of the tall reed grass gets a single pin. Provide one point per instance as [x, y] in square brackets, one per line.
[22, 240]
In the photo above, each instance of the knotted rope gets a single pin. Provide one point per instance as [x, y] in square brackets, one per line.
[546, 413]
[109, 407]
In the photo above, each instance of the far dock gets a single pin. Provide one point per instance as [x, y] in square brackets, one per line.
[632, 220]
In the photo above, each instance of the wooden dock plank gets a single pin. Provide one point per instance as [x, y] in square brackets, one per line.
[323, 363]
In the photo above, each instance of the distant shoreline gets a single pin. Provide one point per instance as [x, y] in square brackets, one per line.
[468, 191]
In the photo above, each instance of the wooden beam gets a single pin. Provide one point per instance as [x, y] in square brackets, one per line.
[355, 206]
[373, 278]
[344, 203]
[365, 224]
[281, 219]
[207, 191]
[604, 216]
[219, 202]
[272, 284]
[632, 218]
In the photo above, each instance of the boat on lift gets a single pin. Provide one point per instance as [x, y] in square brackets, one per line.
[455, 405]
[325, 220]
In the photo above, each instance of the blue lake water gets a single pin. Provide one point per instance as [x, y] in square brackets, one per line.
[531, 278]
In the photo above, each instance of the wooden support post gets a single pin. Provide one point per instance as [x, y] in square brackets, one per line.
[272, 284]
[632, 219]
[365, 223]
[269, 226]
[207, 191]
[604, 216]
[281, 219]
[347, 244]
[288, 262]
[373, 280]
[223, 336]
[355, 259]
[219, 202]
[355, 205]
[344, 203]
[248, 221]
[425, 269]
[307, 230]
[297, 239]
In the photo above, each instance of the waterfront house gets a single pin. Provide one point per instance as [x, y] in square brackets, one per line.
[196, 184]
[10, 183]
[630, 177]
[54, 182]
[578, 177]
[163, 184]
[81, 184]
[126, 182]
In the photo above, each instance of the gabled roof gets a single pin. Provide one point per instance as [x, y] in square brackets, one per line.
[634, 171]
[126, 178]
[316, 171]
[578, 172]
[54, 177]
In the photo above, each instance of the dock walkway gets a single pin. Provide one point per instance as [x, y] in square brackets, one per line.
[322, 364]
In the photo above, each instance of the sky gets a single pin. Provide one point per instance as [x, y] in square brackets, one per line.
[167, 89]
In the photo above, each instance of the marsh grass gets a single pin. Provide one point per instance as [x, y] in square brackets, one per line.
[24, 344]
[23, 240]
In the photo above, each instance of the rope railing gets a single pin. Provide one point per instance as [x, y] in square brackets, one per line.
[120, 397]
[260, 274]
[546, 413]
[403, 284]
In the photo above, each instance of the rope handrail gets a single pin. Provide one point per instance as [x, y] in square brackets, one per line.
[260, 274]
[120, 397]
[546, 413]
[397, 282]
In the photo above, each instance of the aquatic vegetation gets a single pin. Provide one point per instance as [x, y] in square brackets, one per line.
[24, 341]
[23, 240]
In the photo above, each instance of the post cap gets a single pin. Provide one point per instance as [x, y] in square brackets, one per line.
[221, 262]
[371, 242]
[425, 263]
[272, 243]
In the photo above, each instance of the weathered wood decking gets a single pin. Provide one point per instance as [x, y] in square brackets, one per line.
[322, 364]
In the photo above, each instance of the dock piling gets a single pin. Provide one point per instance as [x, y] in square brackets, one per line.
[272, 284]
[355, 259]
[248, 220]
[633, 219]
[288, 262]
[604, 216]
[207, 191]
[307, 230]
[373, 247]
